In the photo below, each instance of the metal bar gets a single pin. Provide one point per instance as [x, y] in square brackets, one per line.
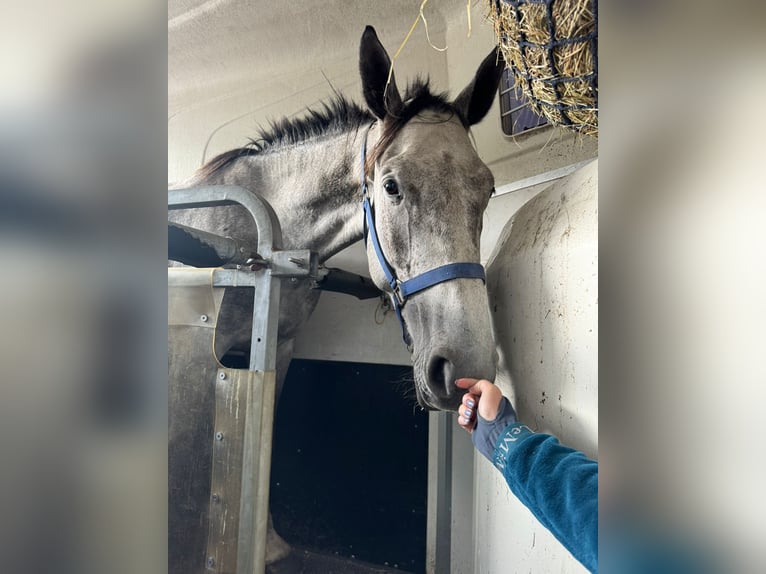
[256, 468]
[219, 195]
[193, 277]
[298, 263]
[263, 350]
[439, 511]
[259, 424]
[516, 109]
[528, 131]
[203, 249]
[541, 178]
[260, 386]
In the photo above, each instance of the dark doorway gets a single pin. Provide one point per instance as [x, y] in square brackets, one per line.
[349, 466]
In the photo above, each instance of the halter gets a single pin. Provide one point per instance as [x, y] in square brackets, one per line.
[402, 290]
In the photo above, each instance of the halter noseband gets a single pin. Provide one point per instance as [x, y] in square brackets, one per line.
[401, 290]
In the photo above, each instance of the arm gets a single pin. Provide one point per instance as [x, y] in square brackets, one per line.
[558, 484]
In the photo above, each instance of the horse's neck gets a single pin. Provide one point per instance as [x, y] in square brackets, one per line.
[314, 187]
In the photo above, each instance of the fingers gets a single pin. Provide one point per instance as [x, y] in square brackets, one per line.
[467, 410]
[486, 396]
[466, 416]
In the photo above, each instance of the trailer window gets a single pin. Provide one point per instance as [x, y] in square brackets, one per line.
[516, 113]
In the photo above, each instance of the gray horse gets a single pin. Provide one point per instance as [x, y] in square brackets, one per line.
[428, 189]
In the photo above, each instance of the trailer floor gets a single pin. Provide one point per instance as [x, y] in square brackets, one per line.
[301, 561]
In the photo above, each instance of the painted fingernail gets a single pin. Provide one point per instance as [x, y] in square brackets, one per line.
[469, 402]
[468, 413]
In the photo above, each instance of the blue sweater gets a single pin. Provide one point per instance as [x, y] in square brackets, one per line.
[559, 485]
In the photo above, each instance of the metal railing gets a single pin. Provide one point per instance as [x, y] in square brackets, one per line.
[240, 444]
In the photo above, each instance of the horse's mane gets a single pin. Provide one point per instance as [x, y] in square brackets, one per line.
[336, 115]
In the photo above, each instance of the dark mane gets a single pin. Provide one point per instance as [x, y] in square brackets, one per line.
[335, 116]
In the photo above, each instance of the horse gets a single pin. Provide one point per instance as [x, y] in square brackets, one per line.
[401, 174]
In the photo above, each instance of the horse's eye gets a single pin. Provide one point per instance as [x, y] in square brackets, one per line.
[390, 186]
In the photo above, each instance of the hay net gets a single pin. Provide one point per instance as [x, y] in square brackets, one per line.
[551, 46]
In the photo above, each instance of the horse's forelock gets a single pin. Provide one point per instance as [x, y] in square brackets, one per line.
[417, 98]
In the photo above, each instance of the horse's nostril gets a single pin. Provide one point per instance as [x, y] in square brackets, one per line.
[440, 373]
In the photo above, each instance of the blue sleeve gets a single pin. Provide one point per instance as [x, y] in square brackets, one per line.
[558, 484]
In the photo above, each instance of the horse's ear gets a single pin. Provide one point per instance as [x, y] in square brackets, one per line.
[476, 99]
[374, 65]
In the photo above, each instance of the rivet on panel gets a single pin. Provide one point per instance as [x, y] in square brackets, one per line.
[203, 318]
[210, 561]
[219, 435]
[222, 375]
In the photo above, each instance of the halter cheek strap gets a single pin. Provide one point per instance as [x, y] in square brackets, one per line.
[401, 290]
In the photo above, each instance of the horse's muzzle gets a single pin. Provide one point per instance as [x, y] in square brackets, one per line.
[443, 367]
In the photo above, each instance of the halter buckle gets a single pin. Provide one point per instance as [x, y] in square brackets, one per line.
[397, 292]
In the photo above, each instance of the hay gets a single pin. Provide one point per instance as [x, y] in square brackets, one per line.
[551, 47]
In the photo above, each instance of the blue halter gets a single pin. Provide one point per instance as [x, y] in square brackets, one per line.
[401, 290]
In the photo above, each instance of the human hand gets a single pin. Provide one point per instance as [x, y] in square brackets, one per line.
[483, 393]
[495, 413]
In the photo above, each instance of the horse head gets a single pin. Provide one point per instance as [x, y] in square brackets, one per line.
[428, 189]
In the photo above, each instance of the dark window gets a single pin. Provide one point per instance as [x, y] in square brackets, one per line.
[516, 113]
